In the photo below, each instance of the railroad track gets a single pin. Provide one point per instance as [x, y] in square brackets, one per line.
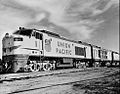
[53, 80]
[23, 76]
[59, 84]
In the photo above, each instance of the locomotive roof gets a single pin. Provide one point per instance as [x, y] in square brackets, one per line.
[48, 32]
[51, 33]
[25, 31]
[58, 36]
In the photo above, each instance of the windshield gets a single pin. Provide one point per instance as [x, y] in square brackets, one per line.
[25, 32]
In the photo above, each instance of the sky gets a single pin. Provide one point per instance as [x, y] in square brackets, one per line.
[91, 21]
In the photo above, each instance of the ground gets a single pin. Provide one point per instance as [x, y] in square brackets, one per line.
[86, 81]
[104, 85]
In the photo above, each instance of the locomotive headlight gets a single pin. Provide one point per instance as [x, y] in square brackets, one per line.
[7, 35]
[18, 39]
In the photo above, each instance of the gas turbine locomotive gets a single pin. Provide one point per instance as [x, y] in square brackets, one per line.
[35, 50]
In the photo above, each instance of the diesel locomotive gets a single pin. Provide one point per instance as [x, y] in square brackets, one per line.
[35, 50]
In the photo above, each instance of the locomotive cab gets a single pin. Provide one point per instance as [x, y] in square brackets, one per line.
[19, 47]
[32, 41]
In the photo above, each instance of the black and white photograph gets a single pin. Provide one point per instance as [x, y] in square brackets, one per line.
[59, 47]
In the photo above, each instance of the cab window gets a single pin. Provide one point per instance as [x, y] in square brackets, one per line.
[37, 35]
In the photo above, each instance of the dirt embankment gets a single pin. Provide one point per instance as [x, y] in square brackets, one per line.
[105, 85]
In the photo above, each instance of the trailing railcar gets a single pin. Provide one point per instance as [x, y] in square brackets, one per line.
[109, 58]
[103, 56]
[115, 59]
[96, 55]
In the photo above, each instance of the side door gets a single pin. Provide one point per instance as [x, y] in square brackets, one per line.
[38, 42]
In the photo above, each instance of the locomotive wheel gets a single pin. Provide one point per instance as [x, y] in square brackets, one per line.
[34, 67]
[74, 65]
[83, 65]
[6, 65]
[80, 65]
[77, 65]
[47, 67]
[107, 64]
[15, 67]
[38, 67]
[53, 66]
[1, 69]
[26, 68]
[97, 64]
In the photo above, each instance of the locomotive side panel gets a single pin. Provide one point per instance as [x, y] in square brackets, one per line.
[88, 52]
[116, 56]
[109, 55]
[80, 51]
[96, 53]
[59, 47]
[56, 47]
[104, 53]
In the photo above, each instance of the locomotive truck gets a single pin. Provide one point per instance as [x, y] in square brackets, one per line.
[35, 50]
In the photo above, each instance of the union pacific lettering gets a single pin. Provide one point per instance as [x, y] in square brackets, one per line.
[63, 44]
[63, 48]
[63, 51]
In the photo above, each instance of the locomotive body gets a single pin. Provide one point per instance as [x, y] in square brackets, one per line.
[35, 50]
[62, 47]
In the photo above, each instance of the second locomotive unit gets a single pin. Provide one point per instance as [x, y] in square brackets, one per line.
[35, 50]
